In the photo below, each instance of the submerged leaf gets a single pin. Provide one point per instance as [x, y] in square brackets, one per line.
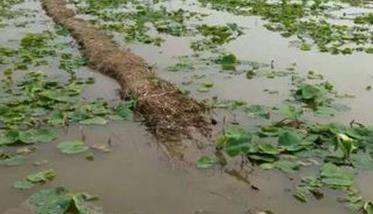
[15, 160]
[94, 121]
[257, 111]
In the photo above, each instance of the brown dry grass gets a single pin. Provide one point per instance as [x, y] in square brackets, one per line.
[167, 112]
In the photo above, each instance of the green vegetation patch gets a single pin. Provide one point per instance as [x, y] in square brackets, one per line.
[216, 35]
[364, 19]
[61, 200]
[7, 12]
[136, 20]
[72, 147]
[33, 104]
[307, 20]
[38, 49]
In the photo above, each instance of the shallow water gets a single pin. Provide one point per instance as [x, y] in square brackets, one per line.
[138, 177]
[135, 177]
[348, 73]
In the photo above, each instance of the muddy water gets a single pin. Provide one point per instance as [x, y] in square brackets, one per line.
[135, 177]
[348, 73]
[138, 177]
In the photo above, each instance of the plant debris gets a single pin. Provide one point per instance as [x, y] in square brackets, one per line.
[171, 113]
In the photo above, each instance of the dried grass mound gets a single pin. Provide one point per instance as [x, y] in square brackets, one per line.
[167, 112]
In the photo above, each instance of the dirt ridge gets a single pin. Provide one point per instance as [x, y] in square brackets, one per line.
[167, 112]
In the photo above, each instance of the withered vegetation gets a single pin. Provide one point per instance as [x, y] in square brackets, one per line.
[167, 112]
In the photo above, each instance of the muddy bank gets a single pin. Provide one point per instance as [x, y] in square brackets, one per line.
[167, 112]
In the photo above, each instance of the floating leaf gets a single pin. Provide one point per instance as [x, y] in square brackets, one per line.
[10, 137]
[262, 158]
[60, 200]
[61, 96]
[124, 109]
[301, 194]
[55, 200]
[72, 147]
[287, 166]
[363, 161]
[267, 166]
[257, 111]
[23, 185]
[228, 61]
[34, 136]
[346, 144]
[205, 162]
[270, 131]
[368, 207]
[41, 177]
[235, 142]
[80, 202]
[57, 118]
[26, 136]
[291, 141]
[44, 135]
[335, 176]
[268, 149]
[311, 94]
[305, 47]
[325, 111]
[291, 112]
